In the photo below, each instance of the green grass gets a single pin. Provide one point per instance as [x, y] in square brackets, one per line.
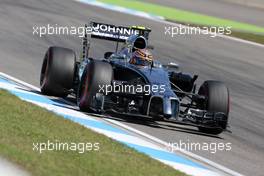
[249, 36]
[22, 124]
[258, 38]
[184, 16]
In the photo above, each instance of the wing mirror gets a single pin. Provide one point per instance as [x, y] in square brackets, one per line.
[172, 65]
[107, 55]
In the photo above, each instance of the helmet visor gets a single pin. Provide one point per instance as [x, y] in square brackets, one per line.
[140, 61]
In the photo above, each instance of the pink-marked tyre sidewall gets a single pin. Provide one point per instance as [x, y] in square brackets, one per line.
[96, 74]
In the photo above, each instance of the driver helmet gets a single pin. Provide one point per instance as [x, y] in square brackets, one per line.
[141, 57]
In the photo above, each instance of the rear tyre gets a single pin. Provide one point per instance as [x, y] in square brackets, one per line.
[217, 100]
[57, 72]
[95, 75]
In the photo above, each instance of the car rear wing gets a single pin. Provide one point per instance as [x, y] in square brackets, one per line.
[116, 33]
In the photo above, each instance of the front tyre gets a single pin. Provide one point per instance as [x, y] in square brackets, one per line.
[217, 100]
[97, 74]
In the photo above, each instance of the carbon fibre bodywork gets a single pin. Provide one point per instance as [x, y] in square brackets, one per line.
[178, 102]
[155, 91]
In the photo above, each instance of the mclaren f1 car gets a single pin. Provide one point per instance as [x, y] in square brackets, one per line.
[114, 84]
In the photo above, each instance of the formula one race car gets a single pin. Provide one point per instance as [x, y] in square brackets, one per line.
[120, 85]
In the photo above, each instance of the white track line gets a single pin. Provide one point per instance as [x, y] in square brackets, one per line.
[140, 133]
[101, 5]
[19, 81]
[187, 153]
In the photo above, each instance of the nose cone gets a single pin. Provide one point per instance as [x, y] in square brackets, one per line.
[171, 107]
